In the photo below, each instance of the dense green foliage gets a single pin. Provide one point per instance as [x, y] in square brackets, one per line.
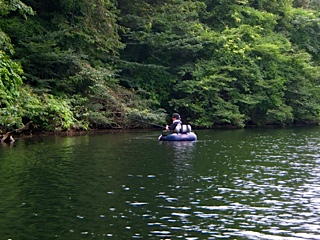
[114, 64]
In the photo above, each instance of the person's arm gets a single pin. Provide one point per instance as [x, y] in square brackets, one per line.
[172, 127]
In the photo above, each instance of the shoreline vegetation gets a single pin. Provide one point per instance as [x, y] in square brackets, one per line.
[69, 66]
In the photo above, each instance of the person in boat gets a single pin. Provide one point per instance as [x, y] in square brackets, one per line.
[176, 119]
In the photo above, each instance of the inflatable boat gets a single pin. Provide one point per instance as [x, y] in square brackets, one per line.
[182, 132]
[166, 136]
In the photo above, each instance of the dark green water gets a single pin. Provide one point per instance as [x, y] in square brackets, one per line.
[230, 184]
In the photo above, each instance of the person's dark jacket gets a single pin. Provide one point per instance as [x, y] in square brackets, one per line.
[174, 124]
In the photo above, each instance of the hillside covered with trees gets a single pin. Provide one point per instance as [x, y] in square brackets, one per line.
[97, 64]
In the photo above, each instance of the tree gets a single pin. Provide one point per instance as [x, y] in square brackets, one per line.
[68, 52]
[304, 31]
[246, 76]
[10, 71]
[162, 45]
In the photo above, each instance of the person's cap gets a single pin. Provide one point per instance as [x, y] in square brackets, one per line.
[176, 115]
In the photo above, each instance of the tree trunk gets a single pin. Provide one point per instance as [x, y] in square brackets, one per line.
[8, 136]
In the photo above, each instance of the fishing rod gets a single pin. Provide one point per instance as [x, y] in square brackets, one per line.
[156, 125]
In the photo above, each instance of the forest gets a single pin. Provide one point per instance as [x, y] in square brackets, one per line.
[69, 65]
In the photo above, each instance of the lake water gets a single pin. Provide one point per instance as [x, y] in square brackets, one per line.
[230, 184]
